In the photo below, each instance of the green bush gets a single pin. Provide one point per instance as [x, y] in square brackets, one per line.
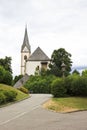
[10, 95]
[68, 83]
[79, 86]
[73, 85]
[23, 89]
[39, 84]
[2, 98]
[76, 85]
[58, 89]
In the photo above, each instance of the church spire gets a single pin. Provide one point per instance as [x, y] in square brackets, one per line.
[26, 41]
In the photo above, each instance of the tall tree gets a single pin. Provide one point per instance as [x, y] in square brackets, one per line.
[5, 76]
[58, 57]
[6, 63]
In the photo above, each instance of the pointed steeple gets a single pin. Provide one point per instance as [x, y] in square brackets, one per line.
[26, 42]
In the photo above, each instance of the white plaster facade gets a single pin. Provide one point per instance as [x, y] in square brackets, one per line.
[32, 65]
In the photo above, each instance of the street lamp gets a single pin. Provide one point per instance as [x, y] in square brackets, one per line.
[63, 68]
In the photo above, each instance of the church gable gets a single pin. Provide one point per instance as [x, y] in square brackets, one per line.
[38, 55]
[37, 61]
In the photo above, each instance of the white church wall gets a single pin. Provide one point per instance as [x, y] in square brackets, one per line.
[31, 67]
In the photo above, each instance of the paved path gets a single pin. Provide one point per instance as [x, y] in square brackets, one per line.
[29, 115]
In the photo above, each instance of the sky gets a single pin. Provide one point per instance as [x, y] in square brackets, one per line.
[51, 24]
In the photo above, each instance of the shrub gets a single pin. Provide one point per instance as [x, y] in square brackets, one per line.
[2, 98]
[39, 84]
[79, 86]
[68, 83]
[23, 89]
[10, 95]
[76, 85]
[58, 88]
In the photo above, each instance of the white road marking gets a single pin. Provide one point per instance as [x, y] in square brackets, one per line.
[19, 115]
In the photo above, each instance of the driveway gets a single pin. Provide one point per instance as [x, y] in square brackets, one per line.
[29, 115]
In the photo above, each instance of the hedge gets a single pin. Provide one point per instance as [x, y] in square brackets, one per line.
[57, 88]
[39, 84]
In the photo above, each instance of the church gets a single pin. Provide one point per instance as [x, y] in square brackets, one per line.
[32, 63]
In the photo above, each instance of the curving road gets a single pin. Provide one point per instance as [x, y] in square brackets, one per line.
[29, 115]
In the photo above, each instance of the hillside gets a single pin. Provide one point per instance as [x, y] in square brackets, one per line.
[20, 95]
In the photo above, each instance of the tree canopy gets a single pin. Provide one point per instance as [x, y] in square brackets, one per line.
[5, 76]
[58, 57]
[6, 63]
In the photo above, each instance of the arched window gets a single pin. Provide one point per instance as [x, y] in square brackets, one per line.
[25, 57]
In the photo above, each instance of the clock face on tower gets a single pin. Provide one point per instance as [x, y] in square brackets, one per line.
[25, 49]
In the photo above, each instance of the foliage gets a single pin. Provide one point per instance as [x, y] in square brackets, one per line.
[58, 57]
[68, 83]
[8, 93]
[76, 85]
[23, 89]
[39, 84]
[2, 73]
[84, 73]
[79, 86]
[5, 76]
[2, 98]
[6, 63]
[76, 72]
[58, 88]
[43, 72]
[5, 71]
[72, 85]
[16, 78]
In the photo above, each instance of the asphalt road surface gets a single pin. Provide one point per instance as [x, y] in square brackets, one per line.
[29, 115]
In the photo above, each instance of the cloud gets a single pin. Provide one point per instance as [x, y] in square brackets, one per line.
[51, 24]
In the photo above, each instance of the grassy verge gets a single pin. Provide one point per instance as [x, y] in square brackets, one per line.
[69, 104]
[20, 95]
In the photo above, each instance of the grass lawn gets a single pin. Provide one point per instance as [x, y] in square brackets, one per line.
[20, 95]
[69, 104]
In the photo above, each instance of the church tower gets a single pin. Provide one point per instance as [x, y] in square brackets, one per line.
[25, 52]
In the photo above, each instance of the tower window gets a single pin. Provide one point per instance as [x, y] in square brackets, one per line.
[25, 57]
